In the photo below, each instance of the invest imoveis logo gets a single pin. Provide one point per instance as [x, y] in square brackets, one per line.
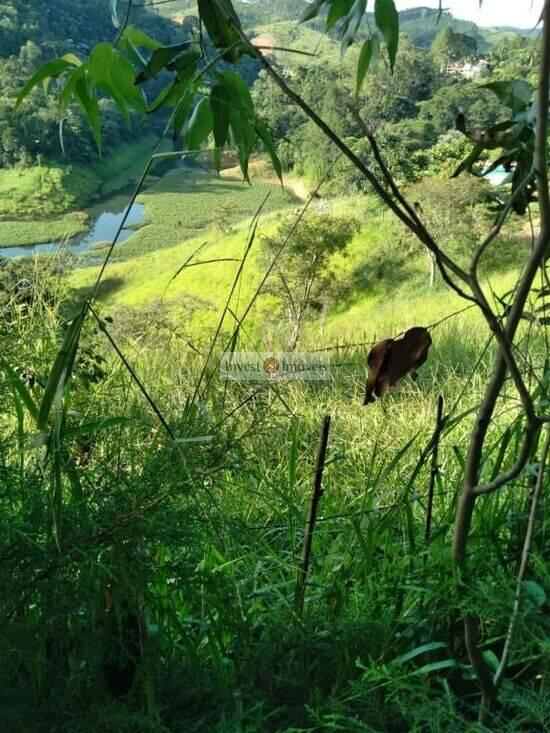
[258, 366]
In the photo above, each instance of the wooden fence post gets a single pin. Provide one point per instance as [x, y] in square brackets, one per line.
[316, 494]
[434, 469]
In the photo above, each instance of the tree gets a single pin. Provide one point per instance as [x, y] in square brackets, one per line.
[454, 212]
[450, 47]
[477, 104]
[391, 97]
[303, 274]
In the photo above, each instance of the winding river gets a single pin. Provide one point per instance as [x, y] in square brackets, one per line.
[105, 218]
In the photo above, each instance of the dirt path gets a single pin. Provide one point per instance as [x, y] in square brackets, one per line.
[293, 185]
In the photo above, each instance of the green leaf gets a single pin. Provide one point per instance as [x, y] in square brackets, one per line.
[468, 162]
[429, 647]
[351, 24]
[265, 137]
[132, 52]
[99, 62]
[338, 9]
[221, 113]
[223, 33]
[20, 388]
[182, 108]
[119, 100]
[199, 126]
[185, 65]
[238, 90]
[516, 94]
[49, 70]
[436, 666]
[93, 427]
[121, 75]
[160, 60]
[312, 11]
[60, 371]
[369, 52]
[87, 100]
[72, 59]
[535, 591]
[387, 19]
[491, 659]
[139, 38]
[244, 137]
[68, 88]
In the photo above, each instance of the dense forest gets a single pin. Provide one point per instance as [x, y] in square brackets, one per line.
[274, 368]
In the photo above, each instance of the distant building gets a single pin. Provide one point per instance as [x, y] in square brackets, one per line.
[469, 70]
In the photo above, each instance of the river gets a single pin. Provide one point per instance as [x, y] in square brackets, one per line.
[105, 218]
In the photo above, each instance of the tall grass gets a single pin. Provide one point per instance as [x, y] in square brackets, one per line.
[163, 600]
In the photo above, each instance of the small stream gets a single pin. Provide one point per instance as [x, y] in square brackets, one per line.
[105, 218]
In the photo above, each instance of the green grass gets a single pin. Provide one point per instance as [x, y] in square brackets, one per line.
[46, 191]
[22, 233]
[204, 538]
[184, 204]
[383, 284]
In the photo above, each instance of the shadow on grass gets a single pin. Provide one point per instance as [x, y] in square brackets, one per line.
[77, 296]
[370, 276]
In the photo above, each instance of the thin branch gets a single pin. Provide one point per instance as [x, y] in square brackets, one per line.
[124, 23]
[524, 561]
[410, 223]
[495, 231]
[504, 359]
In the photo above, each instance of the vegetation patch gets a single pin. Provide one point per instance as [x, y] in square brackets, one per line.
[23, 233]
[184, 203]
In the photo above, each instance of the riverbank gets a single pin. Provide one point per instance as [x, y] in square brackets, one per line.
[18, 233]
[45, 202]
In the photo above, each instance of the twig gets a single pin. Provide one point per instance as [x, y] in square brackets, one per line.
[524, 560]
[439, 423]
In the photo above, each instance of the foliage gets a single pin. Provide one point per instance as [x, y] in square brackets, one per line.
[14, 233]
[463, 96]
[514, 137]
[302, 251]
[49, 189]
[152, 514]
[455, 211]
[450, 47]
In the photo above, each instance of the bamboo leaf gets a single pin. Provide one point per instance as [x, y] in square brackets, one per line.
[94, 426]
[200, 125]
[369, 52]
[265, 137]
[221, 115]
[139, 38]
[88, 103]
[49, 70]
[160, 59]
[312, 11]
[387, 19]
[429, 647]
[338, 9]
[60, 371]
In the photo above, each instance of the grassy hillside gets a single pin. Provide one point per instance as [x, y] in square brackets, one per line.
[383, 283]
[44, 202]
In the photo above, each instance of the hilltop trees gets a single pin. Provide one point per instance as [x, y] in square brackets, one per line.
[304, 276]
[450, 46]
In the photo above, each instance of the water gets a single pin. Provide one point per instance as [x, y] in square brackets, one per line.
[105, 219]
[497, 176]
